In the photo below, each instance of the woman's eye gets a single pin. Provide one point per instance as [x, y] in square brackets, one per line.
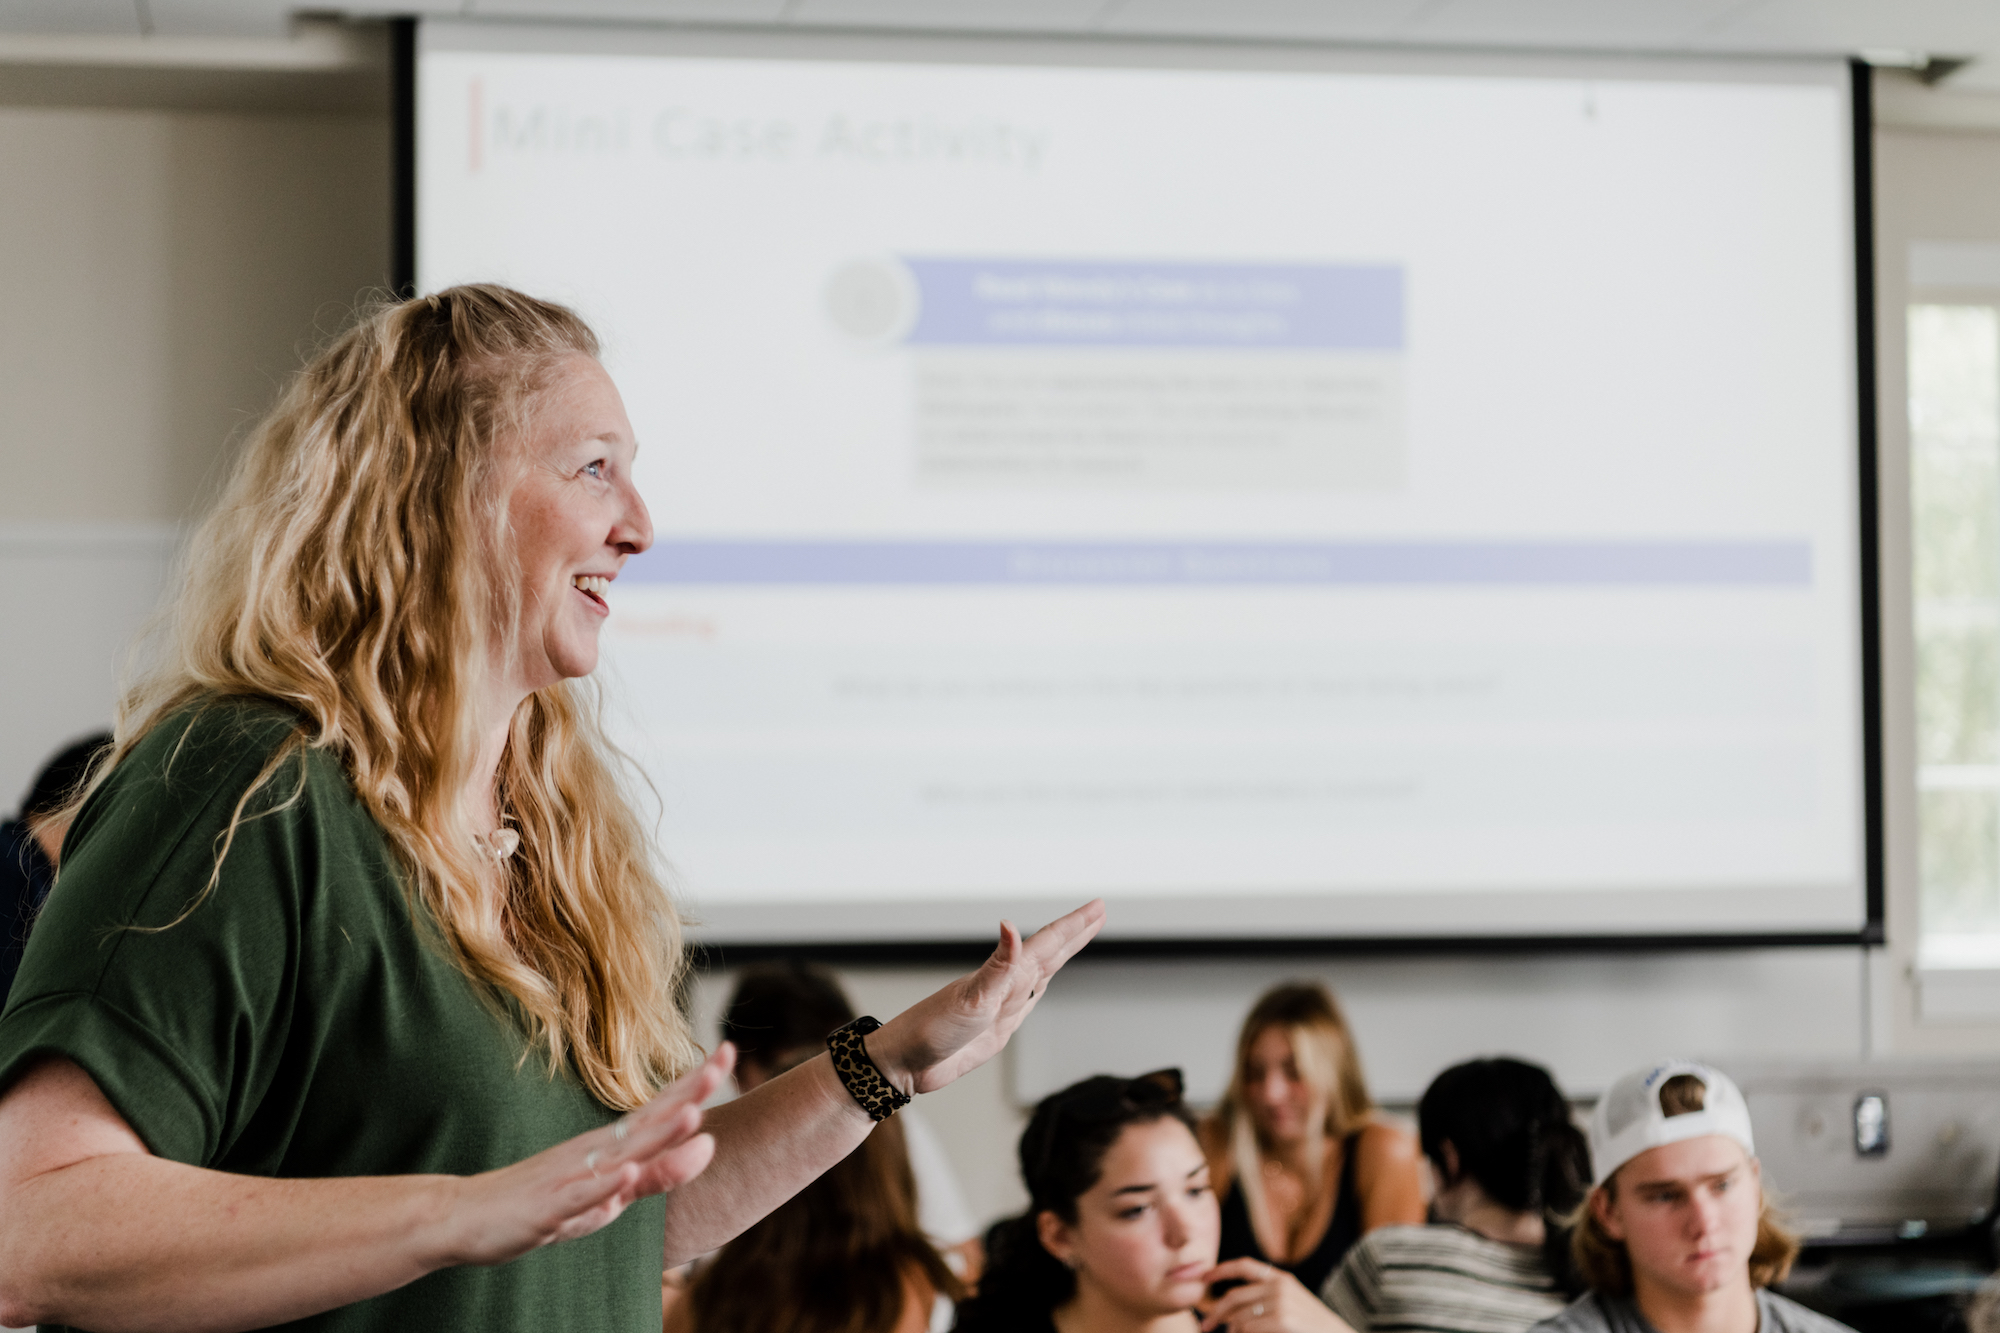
[594, 470]
[1128, 1214]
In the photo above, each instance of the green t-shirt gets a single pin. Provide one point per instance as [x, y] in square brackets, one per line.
[299, 1023]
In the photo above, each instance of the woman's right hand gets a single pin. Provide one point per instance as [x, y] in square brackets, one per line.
[582, 1185]
[1270, 1300]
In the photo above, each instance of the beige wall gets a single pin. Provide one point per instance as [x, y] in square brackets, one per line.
[162, 272]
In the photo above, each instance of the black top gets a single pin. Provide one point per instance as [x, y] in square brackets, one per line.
[25, 877]
[1239, 1238]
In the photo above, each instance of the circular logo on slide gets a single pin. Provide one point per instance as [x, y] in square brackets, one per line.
[872, 300]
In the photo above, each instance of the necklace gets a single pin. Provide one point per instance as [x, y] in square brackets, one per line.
[500, 844]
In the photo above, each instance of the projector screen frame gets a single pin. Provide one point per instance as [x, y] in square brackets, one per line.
[806, 44]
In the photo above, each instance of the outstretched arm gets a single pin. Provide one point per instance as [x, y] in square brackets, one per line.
[776, 1139]
[99, 1233]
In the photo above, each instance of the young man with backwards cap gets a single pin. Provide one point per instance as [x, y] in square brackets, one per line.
[1676, 1236]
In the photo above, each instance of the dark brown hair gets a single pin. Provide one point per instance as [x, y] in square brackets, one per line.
[1505, 1124]
[837, 1257]
[782, 1009]
[1062, 1157]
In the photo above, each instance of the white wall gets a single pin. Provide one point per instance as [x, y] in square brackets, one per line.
[166, 268]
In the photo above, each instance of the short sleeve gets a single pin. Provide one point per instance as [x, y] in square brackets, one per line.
[174, 995]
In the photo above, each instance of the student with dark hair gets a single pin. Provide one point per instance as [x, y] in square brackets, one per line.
[31, 846]
[777, 1011]
[779, 1014]
[1510, 1165]
[1677, 1235]
[1121, 1229]
[843, 1255]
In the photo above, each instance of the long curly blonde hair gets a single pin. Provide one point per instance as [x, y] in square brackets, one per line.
[359, 569]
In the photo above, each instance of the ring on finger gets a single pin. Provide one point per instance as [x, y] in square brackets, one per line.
[618, 1129]
[590, 1162]
[1257, 1310]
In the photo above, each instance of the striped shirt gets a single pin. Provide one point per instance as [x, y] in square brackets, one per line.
[1441, 1279]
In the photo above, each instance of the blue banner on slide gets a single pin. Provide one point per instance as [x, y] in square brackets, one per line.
[736, 563]
[1054, 303]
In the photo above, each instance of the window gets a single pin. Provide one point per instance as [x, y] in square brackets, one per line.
[1954, 378]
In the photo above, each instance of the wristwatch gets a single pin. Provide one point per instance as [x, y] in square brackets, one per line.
[878, 1096]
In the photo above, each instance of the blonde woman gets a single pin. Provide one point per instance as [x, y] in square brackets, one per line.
[1303, 1167]
[353, 1007]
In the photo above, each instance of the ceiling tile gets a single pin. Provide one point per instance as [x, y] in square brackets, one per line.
[1605, 25]
[931, 15]
[221, 18]
[1319, 20]
[1939, 27]
[636, 11]
[373, 9]
[77, 16]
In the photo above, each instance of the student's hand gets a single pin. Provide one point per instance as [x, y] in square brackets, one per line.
[582, 1185]
[1269, 1301]
[965, 1024]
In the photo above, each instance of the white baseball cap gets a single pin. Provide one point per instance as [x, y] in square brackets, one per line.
[1629, 1118]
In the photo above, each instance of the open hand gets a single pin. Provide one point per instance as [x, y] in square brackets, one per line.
[582, 1185]
[965, 1024]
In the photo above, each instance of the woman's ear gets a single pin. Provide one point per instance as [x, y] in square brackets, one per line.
[1057, 1236]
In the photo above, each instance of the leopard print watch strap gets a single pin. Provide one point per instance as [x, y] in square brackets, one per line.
[878, 1096]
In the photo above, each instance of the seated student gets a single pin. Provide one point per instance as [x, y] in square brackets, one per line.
[31, 846]
[780, 1013]
[1677, 1236]
[843, 1255]
[1509, 1165]
[1121, 1228]
[1303, 1167]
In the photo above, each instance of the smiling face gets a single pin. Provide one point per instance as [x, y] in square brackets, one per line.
[1282, 1103]
[1687, 1215]
[576, 518]
[1147, 1230]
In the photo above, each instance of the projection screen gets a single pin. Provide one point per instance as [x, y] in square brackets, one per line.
[1287, 493]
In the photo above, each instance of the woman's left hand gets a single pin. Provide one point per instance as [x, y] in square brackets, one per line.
[1269, 1301]
[965, 1024]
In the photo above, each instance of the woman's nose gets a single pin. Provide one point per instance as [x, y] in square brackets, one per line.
[1174, 1229]
[633, 532]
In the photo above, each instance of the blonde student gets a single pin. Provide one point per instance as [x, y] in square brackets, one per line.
[1677, 1235]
